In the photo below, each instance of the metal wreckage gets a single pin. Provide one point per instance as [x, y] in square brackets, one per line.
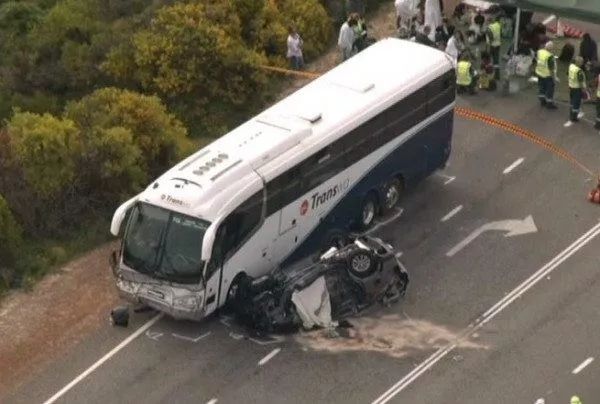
[311, 293]
[341, 283]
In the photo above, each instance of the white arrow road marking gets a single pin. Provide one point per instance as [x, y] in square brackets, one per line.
[489, 315]
[513, 165]
[153, 335]
[191, 339]
[513, 227]
[583, 365]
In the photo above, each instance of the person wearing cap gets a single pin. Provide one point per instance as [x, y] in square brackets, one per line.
[545, 70]
[494, 42]
[576, 400]
[577, 85]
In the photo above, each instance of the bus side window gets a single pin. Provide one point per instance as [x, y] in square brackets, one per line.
[321, 167]
[249, 216]
[283, 190]
[216, 260]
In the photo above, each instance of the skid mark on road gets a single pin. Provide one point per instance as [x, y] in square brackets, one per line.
[393, 335]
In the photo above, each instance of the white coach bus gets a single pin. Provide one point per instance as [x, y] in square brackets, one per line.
[316, 165]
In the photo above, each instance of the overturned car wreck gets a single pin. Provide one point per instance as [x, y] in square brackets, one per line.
[340, 284]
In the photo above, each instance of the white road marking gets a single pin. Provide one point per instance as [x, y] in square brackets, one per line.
[269, 356]
[549, 19]
[583, 365]
[398, 254]
[212, 401]
[513, 165]
[398, 213]
[153, 335]
[489, 315]
[513, 227]
[106, 357]
[452, 213]
[449, 180]
[191, 339]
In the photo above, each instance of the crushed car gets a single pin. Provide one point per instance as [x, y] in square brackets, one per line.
[341, 283]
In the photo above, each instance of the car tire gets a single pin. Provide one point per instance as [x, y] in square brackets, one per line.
[391, 195]
[361, 263]
[368, 211]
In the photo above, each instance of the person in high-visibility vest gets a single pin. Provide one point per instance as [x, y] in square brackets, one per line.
[597, 126]
[494, 42]
[466, 76]
[545, 71]
[577, 85]
[576, 400]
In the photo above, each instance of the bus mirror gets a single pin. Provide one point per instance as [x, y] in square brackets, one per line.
[121, 212]
[208, 241]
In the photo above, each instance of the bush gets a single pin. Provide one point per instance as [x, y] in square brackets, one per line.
[128, 134]
[46, 148]
[10, 243]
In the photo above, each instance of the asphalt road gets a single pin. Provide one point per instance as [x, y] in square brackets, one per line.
[442, 344]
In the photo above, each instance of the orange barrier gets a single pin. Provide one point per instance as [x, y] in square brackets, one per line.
[308, 75]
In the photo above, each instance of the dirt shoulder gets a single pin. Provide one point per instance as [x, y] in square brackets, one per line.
[38, 326]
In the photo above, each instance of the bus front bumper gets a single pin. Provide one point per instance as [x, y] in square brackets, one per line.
[178, 301]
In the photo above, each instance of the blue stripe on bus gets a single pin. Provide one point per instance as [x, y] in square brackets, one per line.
[415, 160]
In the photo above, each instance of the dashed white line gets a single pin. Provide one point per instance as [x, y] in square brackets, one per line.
[106, 357]
[583, 365]
[269, 356]
[490, 314]
[513, 165]
[212, 401]
[449, 180]
[452, 213]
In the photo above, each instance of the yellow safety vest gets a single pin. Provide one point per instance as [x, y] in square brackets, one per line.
[542, 69]
[598, 91]
[463, 73]
[574, 76]
[496, 30]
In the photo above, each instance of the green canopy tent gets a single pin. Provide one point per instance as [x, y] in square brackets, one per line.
[584, 10]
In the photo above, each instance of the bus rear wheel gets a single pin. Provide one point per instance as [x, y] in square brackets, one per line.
[391, 194]
[368, 211]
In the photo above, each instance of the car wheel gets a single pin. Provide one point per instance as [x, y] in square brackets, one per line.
[368, 212]
[361, 263]
[391, 195]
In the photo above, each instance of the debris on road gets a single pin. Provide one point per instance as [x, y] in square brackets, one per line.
[391, 335]
[594, 195]
[119, 316]
[339, 285]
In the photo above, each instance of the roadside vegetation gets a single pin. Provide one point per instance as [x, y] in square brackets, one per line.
[97, 97]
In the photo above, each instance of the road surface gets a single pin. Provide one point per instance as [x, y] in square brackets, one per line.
[501, 320]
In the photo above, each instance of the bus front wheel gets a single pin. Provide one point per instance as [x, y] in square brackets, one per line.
[236, 293]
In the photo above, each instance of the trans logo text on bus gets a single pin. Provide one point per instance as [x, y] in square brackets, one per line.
[320, 197]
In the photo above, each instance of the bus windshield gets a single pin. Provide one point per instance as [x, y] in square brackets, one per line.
[164, 244]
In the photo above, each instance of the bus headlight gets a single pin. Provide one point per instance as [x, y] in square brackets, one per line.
[189, 302]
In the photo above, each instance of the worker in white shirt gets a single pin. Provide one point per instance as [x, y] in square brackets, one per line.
[347, 37]
[294, 49]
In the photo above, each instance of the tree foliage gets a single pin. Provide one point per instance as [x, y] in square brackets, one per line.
[46, 148]
[10, 238]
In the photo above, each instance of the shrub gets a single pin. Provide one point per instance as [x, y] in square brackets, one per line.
[10, 243]
[46, 148]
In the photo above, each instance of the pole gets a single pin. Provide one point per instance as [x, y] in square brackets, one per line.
[516, 36]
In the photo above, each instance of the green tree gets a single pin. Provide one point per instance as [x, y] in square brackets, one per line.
[193, 55]
[150, 136]
[10, 243]
[46, 148]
